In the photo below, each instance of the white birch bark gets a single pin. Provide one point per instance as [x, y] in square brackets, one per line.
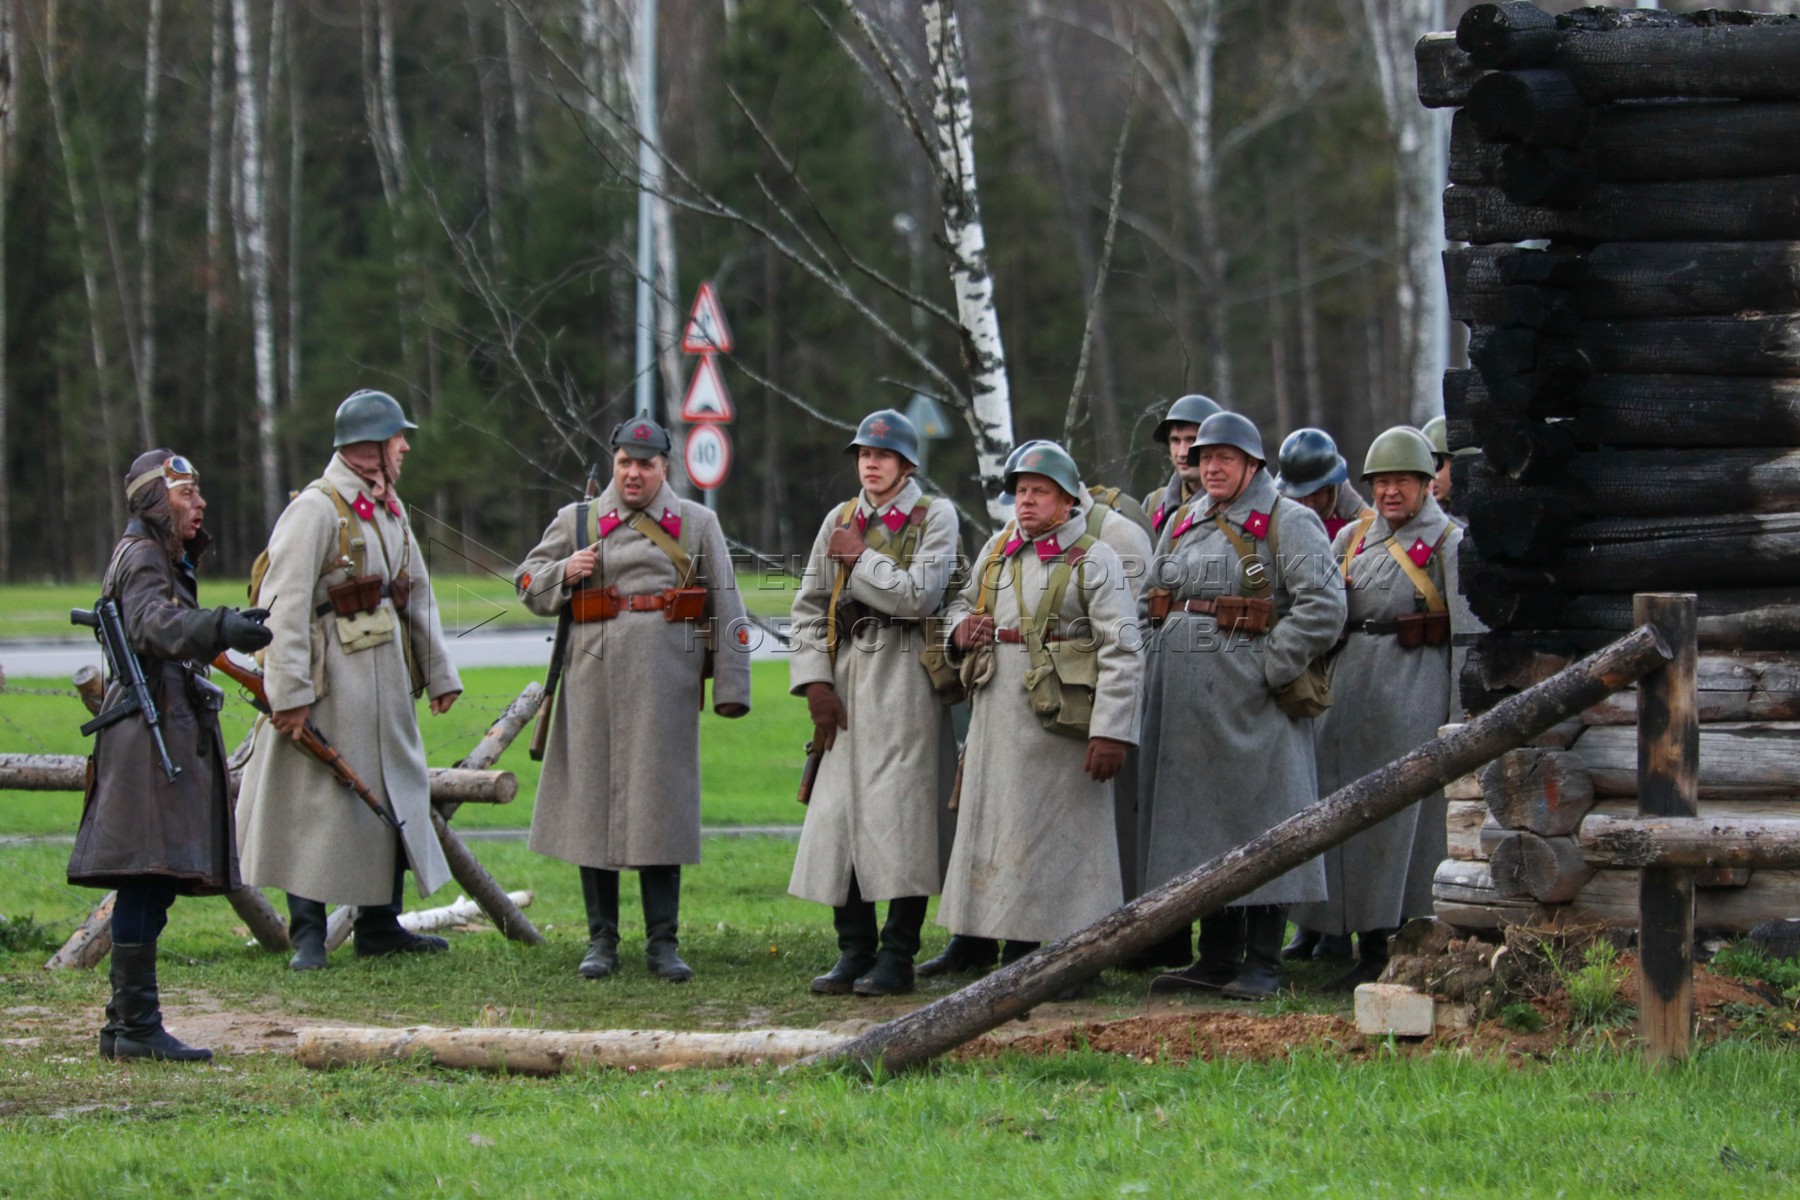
[217, 116]
[146, 229]
[520, 88]
[252, 223]
[953, 120]
[490, 128]
[1395, 26]
[296, 176]
[1199, 20]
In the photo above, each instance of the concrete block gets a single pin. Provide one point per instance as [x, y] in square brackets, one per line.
[1394, 1008]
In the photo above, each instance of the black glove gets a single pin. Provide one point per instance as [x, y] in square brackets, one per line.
[245, 631]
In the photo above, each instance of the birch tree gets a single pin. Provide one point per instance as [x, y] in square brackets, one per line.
[146, 228]
[217, 127]
[254, 265]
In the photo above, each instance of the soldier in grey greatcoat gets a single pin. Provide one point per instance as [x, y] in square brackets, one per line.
[880, 565]
[652, 593]
[1176, 431]
[1034, 857]
[1393, 680]
[1223, 761]
[351, 657]
[147, 836]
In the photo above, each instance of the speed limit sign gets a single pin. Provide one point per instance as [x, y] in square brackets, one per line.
[708, 456]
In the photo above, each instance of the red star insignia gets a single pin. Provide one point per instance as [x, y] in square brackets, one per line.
[1419, 552]
[1257, 524]
[862, 521]
[641, 434]
[524, 583]
[878, 428]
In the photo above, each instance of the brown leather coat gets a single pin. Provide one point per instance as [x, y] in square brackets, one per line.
[135, 822]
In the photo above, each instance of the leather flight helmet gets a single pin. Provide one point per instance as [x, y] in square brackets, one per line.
[1228, 429]
[887, 429]
[640, 437]
[1189, 410]
[368, 416]
[1309, 460]
[1400, 449]
[1047, 459]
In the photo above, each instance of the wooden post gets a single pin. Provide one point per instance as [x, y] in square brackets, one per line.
[1668, 786]
[494, 742]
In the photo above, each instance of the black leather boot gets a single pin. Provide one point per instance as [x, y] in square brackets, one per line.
[1012, 950]
[1260, 976]
[1176, 950]
[892, 974]
[1371, 960]
[1305, 941]
[600, 894]
[1333, 946]
[140, 1032]
[306, 930]
[964, 955]
[1221, 952]
[857, 937]
[661, 887]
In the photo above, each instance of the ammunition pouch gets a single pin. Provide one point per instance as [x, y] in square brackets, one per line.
[1244, 614]
[1159, 601]
[593, 604]
[683, 604]
[1414, 630]
[359, 595]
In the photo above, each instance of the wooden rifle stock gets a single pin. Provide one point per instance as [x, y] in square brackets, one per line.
[565, 621]
[809, 773]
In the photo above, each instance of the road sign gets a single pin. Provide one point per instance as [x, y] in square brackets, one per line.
[707, 400]
[706, 332]
[928, 417]
[708, 456]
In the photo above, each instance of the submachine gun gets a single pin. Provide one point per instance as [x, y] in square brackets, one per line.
[109, 631]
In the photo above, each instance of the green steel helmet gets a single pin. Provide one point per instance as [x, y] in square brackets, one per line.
[640, 437]
[1437, 432]
[1018, 452]
[1189, 410]
[1047, 459]
[1309, 460]
[368, 416]
[1228, 429]
[1401, 448]
[887, 429]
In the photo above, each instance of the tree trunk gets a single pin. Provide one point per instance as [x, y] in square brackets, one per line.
[146, 231]
[215, 226]
[1013, 990]
[254, 234]
[551, 1052]
[91, 941]
[1200, 25]
[953, 118]
[295, 209]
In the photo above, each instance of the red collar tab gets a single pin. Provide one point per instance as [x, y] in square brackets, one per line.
[1159, 516]
[363, 506]
[1049, 549]
[610, 522]
[1182, 526]
[1335, 525]
[671, 524]
[1012, 547]
[1257, 524]
[894, 519]
[862, 521]
[1419, 552]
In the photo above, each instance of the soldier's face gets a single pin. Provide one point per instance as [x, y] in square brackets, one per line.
[1181, 440]
[881, 472]
[1322, 501]
[638, 479]
[187, 509]
[1039, 504]
[1224, 470]
[1440, 483]
[1398, 495]
[393, 453]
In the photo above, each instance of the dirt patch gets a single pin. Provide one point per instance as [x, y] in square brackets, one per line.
[1183, 1037]
[199, 1021]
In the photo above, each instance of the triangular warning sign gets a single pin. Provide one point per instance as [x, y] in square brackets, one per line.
[706, 331]
[707, 399]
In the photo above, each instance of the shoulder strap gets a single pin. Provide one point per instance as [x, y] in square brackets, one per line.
[990, 571]
[1434, 599]
[684, 564]
[357, 561]
[1355, 543]
[838, 583]
[1255, 574]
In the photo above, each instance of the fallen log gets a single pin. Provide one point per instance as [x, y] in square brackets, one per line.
[1723, 210]
[1546, 792]
[494, 742]
[456, 785]
[550, 1052]
[1705, 841]
[467, 870]
[1445, 71]
[91, 941]
[341, 922]
[260, 917]
[1738, 760]
[68, 773]
[1012, 990]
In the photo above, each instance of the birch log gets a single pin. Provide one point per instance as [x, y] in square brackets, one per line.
[90, 942]
[68, 773]
[425, 920]
[550, 1052]
[494, 742]
[265, 924]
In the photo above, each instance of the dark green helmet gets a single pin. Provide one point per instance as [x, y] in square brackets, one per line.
[1228, 429]
[1047, 459]
[368, 416]
[1309, 460]
[1189, 410]
[1437, 432]
[887, 429]
[1400, 449]
[640, 437]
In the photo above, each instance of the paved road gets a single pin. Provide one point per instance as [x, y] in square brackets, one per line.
[479, 648]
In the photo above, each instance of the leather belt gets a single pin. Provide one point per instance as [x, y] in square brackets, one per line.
[1015, 637]
[1377, 628]
[643, 602]
[1205, 608]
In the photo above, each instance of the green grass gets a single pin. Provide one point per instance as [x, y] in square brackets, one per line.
[749, 767]
[41, 610]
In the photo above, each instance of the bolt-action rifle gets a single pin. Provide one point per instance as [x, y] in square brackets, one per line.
[565, 621]
[109, 629]
[312, 739]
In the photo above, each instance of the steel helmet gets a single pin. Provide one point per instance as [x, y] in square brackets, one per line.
[887, 429]
[1228, 429]
[1047, 459]
[1309, 460]
[1401, 448]
[1018, 451]
[1437, 432]
[1189, 410]
[640, 437]
[368, 416]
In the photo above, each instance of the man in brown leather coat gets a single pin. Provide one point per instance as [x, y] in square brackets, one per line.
[149, 837]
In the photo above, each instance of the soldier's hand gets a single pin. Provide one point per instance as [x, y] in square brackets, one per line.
[846, 545]
[292, 721]
[827, 712]
[245, 631]
[441, 704]
[580, 565]
[1105, 758]
[975, 631]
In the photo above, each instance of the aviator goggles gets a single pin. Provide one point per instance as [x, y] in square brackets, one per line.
[173, 471]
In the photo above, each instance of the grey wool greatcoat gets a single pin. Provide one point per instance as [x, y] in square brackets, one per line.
[621, 781]
[1035, 856]
[1390, 701]
[298, 829]
[1162, 502]
[1221, 763]
[878, 797]
[136, 822]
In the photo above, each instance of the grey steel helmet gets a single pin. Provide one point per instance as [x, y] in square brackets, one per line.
[1018, 451]
[887, 429]
[1228, 429]
[1400, 449]
[640, 437]
[1437, 432]
[1189, 410]
[1309, 460]
[368, 416]
[1047, 459]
